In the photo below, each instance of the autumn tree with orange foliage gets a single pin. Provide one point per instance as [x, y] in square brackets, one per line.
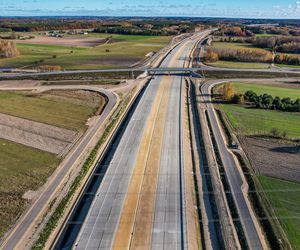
[228, 91]
[211, 56]
[8, 49]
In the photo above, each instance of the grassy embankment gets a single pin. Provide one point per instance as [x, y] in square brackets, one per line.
[128, 49]
[284, 196]
[24, 168]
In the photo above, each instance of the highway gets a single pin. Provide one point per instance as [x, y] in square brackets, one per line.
[19, 234]
[234, 176]
[113, 219]
[136, 197]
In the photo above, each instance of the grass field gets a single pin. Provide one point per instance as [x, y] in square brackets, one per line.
[259, 89]
[128, 50]
[285, 200]
[58, 111]
[267, 35]
[250, 121]
[21, 169]
[239, 65]
[232, 45]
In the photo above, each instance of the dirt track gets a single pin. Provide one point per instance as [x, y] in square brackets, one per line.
[273, 158]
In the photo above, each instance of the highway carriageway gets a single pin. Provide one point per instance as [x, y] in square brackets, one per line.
[139, 182]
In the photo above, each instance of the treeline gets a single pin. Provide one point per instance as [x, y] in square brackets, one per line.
[8, 49]
[118, 26]
[143, 29]
[33, 25]
[267, 101]
[244, 31]
[287, 59]
[273, 43]
[233, 31]
[279, 44]
[214, 54]
[283, 31]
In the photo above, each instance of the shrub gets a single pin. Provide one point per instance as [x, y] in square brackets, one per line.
[275, 132]
[211, 56]
[8, 49]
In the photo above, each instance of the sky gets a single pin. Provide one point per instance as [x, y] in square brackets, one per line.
[192, 8]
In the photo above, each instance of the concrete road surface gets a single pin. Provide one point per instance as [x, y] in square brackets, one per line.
[98, 229]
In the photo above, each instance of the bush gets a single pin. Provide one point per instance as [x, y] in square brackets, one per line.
[238, 99]
[275, 132]
[211, 56]
[8, 49]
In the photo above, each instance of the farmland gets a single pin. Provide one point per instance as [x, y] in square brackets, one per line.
[21, 169]
[124, 51]
[57, 110]
[239, 65]
[24, 168]
[250, 121]
[285, 199]
[259, 89]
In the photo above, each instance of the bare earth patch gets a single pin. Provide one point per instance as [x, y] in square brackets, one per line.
[273, 158]
[90, 42]
[37, 135]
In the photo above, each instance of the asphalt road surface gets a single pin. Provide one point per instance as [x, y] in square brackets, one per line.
[233, 175]
[14, 239]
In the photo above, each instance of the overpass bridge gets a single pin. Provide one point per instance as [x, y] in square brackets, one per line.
[170, 71]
